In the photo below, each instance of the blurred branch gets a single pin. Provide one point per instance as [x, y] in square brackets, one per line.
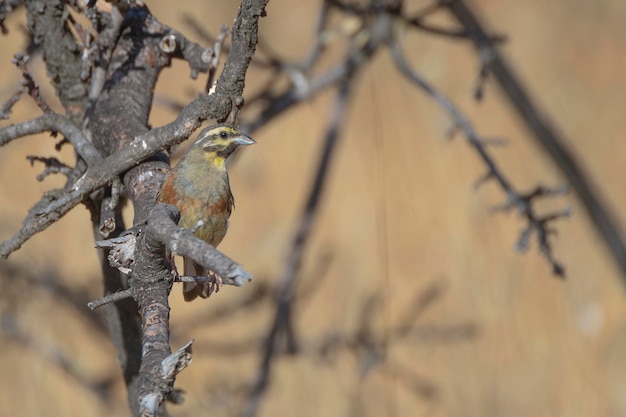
[10, 330]
[544, 132]
[52, 166]
[282, 324]
[419, 22]
[6, 7]
[302, 88]
[116, 145]
[523, 203]
[16, 281]
[20, 60]
[14, 277]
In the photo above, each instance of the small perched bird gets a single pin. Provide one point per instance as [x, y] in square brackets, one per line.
[198, 186]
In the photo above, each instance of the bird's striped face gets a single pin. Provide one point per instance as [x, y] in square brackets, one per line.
[221, 141]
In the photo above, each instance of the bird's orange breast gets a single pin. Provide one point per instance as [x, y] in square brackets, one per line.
[210, 205]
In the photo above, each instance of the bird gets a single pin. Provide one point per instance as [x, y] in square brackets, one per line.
[198, 186]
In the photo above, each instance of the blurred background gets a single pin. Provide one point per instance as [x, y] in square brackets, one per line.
[412, 300]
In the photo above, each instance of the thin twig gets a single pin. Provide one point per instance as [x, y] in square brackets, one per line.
[20, 60]
[105, 43]
[7, 106]
[279, 103]
[66, 362]
[110, 298]
[215, 57]
[53, 166]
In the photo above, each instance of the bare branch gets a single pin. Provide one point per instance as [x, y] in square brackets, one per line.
[55, 123]
[151, 285]
[215, 58]
[282, 323]
[103, 172]
[177, 45]
[49, 27]
[108, 207]
[6, 7]
[7, 106]
[20, 60]
[216, 106]
[53, 166]
[524, 204]
[110, 298]
[377, 33]
[544, 132]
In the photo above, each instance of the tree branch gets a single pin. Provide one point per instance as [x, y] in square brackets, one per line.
[282, 324]
[49, 28]
[544, 132]
[54, 123]
[523, 203]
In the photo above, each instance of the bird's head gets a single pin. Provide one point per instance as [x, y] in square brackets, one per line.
[219, 142]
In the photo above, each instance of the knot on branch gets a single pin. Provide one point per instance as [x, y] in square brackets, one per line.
[168, 43]
[121, 250]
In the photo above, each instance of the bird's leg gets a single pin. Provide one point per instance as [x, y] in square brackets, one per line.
[173, 269]
[214, 283]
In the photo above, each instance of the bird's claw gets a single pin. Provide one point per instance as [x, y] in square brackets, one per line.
[213, 285]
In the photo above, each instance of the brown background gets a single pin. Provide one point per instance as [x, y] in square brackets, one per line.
[399, 215]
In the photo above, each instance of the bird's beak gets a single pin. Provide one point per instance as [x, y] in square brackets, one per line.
[244, 140]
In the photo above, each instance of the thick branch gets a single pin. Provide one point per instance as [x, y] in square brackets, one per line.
[104, 171]
[49, 28]
[244, 40]
[152, 282]
[217, 106]
[121, 129]
[151, 286]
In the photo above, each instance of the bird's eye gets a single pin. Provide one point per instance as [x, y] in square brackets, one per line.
[223, 135]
